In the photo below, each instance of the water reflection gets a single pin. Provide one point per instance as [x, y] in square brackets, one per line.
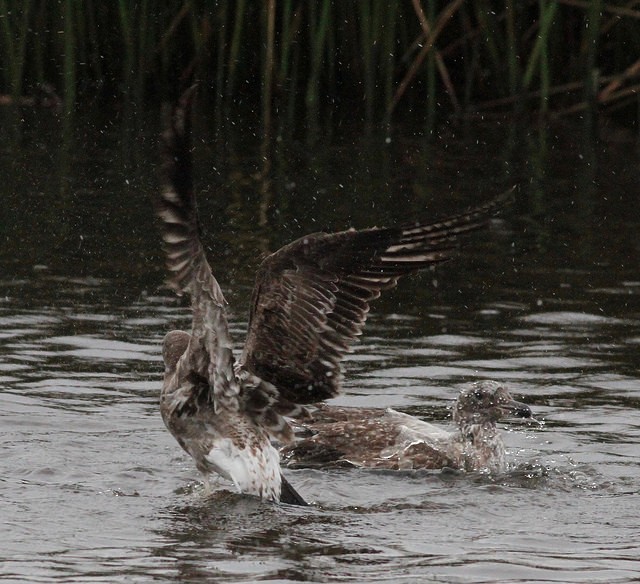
[92, 485]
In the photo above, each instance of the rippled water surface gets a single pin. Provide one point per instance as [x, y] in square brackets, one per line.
[94, 489]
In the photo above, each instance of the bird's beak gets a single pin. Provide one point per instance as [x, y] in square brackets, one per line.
[516, 409]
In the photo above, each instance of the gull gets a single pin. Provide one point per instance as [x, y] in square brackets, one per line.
[310, 302]
[384, 438]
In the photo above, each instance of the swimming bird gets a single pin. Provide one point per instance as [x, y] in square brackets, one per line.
[310, 302]
[384, 438]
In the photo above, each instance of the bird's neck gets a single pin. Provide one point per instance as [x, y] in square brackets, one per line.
[483, 447]
[478, 433]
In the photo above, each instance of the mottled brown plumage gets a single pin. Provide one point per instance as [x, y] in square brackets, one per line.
[312, 296]
[379, 438]
[310, 302]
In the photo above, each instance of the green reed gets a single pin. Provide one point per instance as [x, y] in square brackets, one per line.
[69, 61]
[268, 67]
[431, 76]
[512, 12]
[318, 26]
[539, 62]
[235, 47]
[372, 58]
[14, 36]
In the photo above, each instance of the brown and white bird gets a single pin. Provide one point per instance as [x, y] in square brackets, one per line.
[310, 302]
[384, 438]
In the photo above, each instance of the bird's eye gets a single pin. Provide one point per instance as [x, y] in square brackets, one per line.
[478, 394]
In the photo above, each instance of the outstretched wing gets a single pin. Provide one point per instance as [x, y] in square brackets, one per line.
[311, 298]
[209, 351]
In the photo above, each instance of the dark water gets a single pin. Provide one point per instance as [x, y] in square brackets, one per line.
[94, 489]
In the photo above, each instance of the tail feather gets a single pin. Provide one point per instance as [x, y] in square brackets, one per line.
[289, 495]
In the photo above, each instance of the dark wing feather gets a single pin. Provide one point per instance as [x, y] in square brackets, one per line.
[209, 350]
[312, 297]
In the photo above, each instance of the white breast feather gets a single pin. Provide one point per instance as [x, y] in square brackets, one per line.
[255, 471]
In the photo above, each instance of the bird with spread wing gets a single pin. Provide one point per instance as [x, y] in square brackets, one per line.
[310, 302]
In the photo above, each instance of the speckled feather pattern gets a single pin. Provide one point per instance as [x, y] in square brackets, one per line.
[379, 438]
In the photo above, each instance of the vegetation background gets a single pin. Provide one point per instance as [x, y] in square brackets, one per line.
[311, 60]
